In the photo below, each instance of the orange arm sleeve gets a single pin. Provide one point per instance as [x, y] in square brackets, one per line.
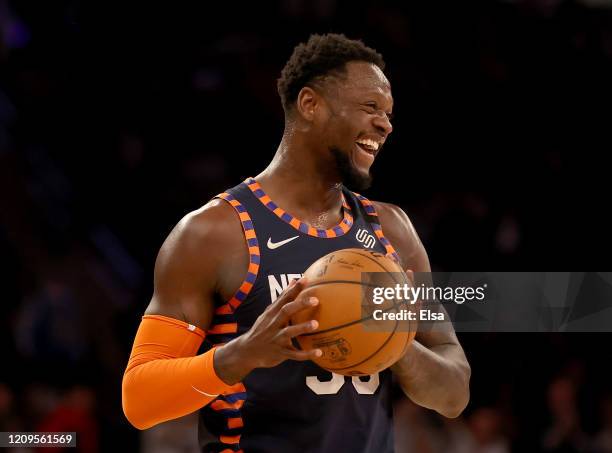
[164, 378]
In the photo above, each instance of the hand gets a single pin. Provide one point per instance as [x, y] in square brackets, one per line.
[268, 342]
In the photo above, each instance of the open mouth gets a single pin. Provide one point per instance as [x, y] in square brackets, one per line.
[369, 146]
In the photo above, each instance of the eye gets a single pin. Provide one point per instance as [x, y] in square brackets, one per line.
[370, 105]
[390, 115]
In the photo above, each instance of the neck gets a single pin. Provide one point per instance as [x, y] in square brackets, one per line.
[298, 178]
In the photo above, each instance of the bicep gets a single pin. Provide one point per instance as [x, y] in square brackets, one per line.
[183, 280]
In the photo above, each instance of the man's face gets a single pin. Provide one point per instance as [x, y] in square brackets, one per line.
[356, 121]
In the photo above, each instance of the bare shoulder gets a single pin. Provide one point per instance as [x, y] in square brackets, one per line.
[193, 263]
[400, 231]
[212, 225]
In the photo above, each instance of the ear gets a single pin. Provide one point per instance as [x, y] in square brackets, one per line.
[307, 103]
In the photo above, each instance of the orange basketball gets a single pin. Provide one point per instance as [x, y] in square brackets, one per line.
[352, 341]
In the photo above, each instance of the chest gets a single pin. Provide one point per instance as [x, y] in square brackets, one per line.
[285, 255]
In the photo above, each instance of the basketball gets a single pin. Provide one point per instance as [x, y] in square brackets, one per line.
[352, 341]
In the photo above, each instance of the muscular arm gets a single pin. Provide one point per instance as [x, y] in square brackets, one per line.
[165, 378]
[434, 372]
[204, 257]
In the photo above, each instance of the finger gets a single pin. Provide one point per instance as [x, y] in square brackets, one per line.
[299, 329]
[290, 293]
[410, 275]
[302, 355]
[291, 308]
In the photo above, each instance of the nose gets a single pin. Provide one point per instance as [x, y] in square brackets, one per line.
[383, 124]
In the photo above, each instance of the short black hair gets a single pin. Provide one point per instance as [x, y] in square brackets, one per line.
[321, 55]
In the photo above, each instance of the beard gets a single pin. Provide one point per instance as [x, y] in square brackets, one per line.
[350, 176]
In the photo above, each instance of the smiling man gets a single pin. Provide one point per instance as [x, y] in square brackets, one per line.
[227, 274]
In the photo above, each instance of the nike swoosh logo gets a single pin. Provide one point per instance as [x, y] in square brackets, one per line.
[275, 245]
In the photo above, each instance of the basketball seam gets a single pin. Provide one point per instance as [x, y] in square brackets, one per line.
[371, 259]
[371, 355]
[327, 282]
[331, 329]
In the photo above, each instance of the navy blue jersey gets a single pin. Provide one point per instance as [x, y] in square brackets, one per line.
[295, 407]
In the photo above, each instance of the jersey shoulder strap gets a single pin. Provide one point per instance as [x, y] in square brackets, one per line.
[368, 211]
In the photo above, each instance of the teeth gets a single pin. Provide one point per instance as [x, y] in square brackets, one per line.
[369, 143]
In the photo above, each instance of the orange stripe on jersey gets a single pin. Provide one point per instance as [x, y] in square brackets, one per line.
[234, 302]
[224, 309]
[254, 250]
[246, 287]
[230, 439]
[223, 328]
[295, 223]
[235, 422]
[219, 405]
[250, 234]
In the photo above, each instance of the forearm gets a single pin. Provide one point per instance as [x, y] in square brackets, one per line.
[230, 364]
[164, 378]
[165, 389]
[436, 378]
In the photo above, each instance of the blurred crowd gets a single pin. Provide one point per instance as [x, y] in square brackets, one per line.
[117, 121]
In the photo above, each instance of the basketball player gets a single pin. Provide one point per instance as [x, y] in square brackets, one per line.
[227, 274]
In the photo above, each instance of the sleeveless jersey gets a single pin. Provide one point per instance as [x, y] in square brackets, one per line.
[295, 407]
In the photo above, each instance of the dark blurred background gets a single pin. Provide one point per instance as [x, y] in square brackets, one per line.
[117, 120]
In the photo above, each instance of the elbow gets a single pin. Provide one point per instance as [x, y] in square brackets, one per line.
[131, 404]
[456, 404]
[455, 408]
[134, 419]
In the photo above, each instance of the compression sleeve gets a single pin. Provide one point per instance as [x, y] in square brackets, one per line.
[164, 378]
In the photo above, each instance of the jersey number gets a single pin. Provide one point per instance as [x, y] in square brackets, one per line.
[337, 381]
